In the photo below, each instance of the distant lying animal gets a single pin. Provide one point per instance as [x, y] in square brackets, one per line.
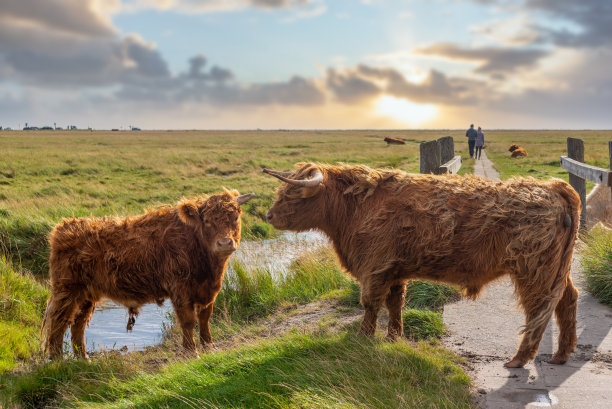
[178, 252]
[388, 227]
[517, 151]
[394, 141]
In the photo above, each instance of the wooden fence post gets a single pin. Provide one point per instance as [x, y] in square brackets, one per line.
[447, 148]
[575, 150]
[430, 157]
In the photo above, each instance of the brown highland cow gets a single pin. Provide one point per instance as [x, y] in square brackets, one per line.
[388, 227]
[517, 151]
[177, 252]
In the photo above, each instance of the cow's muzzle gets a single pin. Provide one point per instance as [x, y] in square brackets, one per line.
[226, 245]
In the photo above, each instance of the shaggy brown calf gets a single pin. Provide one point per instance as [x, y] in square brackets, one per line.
[177, 252]
[517, 151]
[388, 227]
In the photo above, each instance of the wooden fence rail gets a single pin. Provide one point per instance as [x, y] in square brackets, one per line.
[438, 157]
[579, 172]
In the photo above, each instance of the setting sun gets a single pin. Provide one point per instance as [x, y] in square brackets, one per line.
[404, 110]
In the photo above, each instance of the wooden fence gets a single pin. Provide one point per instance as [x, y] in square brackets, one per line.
[579, 173]
[438, 157]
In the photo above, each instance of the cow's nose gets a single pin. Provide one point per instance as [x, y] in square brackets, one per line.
[269, 217]
[225, 243]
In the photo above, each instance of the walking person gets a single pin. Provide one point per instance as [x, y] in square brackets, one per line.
[479, 143]
[471, 135]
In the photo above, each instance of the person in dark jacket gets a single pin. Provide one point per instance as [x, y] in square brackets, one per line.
[471, 135]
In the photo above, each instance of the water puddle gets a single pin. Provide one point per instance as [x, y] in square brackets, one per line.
[107, 327]
[540, 398]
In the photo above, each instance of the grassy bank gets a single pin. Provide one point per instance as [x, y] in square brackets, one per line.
[22, 301]
[597, 264]
[298, 370]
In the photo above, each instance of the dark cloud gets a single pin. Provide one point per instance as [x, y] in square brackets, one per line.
[584, 23]
[495, 61]
[366, 82]
[216, 74]
[350, 87]
[77, 17]
[594, 18]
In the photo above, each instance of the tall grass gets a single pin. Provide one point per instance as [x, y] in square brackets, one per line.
[597, 264]
[251, 292]
[22, 302]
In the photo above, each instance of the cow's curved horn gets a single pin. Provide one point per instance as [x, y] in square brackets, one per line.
[276, 172]
[314, 181]
[245, 198]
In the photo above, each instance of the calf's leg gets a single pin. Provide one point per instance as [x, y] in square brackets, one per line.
[77, 329]
[60, 310]
[203, 318]
[566, 320]
[394, 303]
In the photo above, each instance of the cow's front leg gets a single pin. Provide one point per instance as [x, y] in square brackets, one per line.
[204, 317]
[395, 302]
[373, 293]
[185, 315]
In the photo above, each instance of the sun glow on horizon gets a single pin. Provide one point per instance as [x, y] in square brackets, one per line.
[404, 110]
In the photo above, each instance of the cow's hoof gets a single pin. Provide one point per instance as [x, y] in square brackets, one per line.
[364, 333]
[515, 363]
[556, 361]
[392, 337]
[209, 346]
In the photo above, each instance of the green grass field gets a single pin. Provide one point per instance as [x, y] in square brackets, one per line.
[46, 176]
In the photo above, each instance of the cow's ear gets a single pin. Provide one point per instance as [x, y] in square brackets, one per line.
[188, 212]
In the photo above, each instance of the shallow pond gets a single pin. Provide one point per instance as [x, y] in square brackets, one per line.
[107, 327]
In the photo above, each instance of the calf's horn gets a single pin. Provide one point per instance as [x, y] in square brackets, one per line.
[314, 181]
[245, 198]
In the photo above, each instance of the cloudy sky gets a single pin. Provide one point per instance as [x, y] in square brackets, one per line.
[244, 64]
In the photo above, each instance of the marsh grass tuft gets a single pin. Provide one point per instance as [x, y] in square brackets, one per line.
[597, 264]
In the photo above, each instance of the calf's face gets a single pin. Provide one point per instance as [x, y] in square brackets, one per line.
[297, 206]
[216, 219]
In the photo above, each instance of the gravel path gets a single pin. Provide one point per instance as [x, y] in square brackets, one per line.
[485, 331]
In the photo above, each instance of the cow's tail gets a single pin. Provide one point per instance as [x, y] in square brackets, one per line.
[570, 221]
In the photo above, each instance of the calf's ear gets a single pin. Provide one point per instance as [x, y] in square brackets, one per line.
[188, 212]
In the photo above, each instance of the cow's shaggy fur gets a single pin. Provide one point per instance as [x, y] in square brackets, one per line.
[517, 151]
[177, 252]
[388, 227]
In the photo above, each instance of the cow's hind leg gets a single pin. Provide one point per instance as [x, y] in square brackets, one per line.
[538, 312]
[566, 320]
[203, 318]
[59, 314]
[373, 293]
[77, 329]
[394, 303]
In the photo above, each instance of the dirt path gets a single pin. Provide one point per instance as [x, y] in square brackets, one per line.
[486, 333]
